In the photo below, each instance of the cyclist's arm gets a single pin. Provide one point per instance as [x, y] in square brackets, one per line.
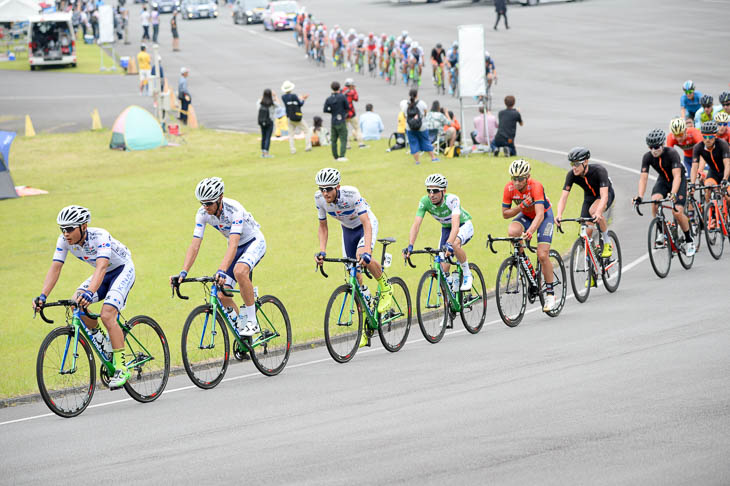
[192, 253]
[676, 179]
[564, 200]
[454, 228]
[322, 234]
[510, 212]
[696, 163]
[52, 277]
[726, 162]
[102, 263]
[413, 234]
[643, 178]
[367, 230]
[233, 240]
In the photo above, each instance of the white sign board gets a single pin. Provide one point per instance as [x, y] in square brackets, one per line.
[106, 24]
[472, 76]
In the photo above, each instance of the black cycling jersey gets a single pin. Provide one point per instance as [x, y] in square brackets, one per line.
[668, 160]
[437, 55]
[713, 159]
[594, 179]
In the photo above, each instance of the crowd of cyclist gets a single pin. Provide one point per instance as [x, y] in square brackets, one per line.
[387, 56]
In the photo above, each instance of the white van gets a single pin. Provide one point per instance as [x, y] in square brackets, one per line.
[51, 40]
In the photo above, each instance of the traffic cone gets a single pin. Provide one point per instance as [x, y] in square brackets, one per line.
[132, 68]
[192, 119]
[29, 131]
[95, 120]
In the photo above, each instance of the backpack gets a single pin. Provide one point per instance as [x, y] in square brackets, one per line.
[264, 118]
[413, 117]
[294, 110]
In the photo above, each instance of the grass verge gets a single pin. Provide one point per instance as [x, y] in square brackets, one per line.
[146, 200]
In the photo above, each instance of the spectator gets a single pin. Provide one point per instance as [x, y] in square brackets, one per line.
[479, 135]
[293, 106]
[84, 20]
[183, 94]
[94, 18]
[145, 69]
[508, 120]
[371, 125]
[455, 125]
[415, 111]
[145, 19]
[400, 133]
[173, 28]
[351, 93]
[267, 107]
[436, 122]
[320, 135]
[501, 7]
[155, 21]
[336, 105]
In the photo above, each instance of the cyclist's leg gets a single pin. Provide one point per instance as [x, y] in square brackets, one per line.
[242, 271]
[374, 265]
[544, 240]
[679, 214]
[660, 191]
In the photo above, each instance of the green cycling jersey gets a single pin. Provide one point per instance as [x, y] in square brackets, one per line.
[449, 206]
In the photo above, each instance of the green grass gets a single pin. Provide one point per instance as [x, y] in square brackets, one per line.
[87, 57]
[146, 200]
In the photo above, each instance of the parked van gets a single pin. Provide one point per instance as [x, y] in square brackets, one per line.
[51, 40]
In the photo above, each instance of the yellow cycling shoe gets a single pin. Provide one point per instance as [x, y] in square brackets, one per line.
[386, 298]
[607, 251]
[591, 282]
[364, 339]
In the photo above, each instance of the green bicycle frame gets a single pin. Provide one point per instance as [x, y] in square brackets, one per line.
[372, 316]
[455, 300]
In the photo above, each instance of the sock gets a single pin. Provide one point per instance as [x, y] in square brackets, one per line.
[382, 282]
[688, 237]
[604, 235]
[465, 267]
[251, 313]
[549, 288]
[118, 359]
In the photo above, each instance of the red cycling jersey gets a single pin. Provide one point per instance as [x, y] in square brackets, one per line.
[534, 189]
[692, 137]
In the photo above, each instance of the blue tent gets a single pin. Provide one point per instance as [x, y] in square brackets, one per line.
[7, 186]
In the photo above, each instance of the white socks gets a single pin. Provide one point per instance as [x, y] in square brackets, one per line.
[248, 313]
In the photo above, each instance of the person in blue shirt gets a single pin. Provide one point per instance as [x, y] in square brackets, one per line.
[371, 125]
[690, 100]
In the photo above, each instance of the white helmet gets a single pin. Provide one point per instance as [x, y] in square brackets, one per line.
[519, 168]
[349, 82]
[327, 177]
[73, 216]
[408, 41]
[209, 189]
[677, 125]
[404, 34]
[351, 31]
[437, 180]
[721, 117]
[414, 45]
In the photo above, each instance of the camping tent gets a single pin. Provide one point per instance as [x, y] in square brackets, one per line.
[7, 187]
[136, 129]
[17, 10]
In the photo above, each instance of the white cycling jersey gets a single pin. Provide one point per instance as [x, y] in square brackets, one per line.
[416, 54]
[234, 220]
[97, 244]
[346, 209]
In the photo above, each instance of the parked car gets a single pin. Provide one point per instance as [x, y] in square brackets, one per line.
[538, 2]
[281, 15]
[199, 9]
[249, 11]
[51, 40]
[166, 6]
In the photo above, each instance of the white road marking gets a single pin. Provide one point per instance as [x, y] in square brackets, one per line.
[606, 162]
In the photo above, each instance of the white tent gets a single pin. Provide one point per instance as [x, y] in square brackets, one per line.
[17, 10]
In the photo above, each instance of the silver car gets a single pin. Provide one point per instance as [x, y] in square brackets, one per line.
[248, 11]
[199, 9]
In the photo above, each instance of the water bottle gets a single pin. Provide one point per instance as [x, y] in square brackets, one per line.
[102, 341]
[366, 293]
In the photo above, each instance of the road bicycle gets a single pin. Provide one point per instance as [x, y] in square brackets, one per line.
[519, 282]
[359, 62]
[339, 59]
[695, 212]
[438, 80]
[454, 81]
[716, 220]
[205, 343]
[664, 241]
[438, 302]
[343, 319]
[392, 71]
[321, 60]
[66, 367]
[373, 65]
[414, 76]
[587, 264]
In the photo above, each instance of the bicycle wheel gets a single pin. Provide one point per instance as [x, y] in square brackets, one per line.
[511, 292]
[395, 324]
[684, 260]
[696, 224]
[611, 275]
[148, 359]
[660, 253]
[342, 324]
[270, 347]
[67, 391]
[204, 355]
[474, 302]
[559, 281]
[713, 232]
[432, 306]
[581, 271]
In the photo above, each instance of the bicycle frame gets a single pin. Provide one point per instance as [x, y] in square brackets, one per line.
[522, 263]
[720, 209]
[437, 260]
[589, 248]
[661, 206]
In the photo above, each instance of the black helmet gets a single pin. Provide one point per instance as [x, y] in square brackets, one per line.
[706, 100]
[656, 137]
[579, 154]
[709, 128]
[724, 96]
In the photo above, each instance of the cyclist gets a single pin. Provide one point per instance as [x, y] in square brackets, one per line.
[532, 214]
[320, 40]
[371, 44]
[338, 44]
[359, 229]
[725, 102]
[452, 61]
[382, 42]
[246, 248]
[403, 54]
[690, 100]
[112, 280]
[685, 138]
[705, 114]
[670, 181]
[391, 55]
[721, 118]
[713, 152]
[456, 225]
[598, 193]
[350, 40]
[489, 69]
[438, 56]
[415, 59]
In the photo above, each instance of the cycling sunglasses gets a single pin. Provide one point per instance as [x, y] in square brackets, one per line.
[207, 204]
[326, 189]
[708, 137]
[433, 191]
[655, 147]
[690, 91]
[726, 104]
[519, 178]
[721, 124]
[67, 229]
[576, 163]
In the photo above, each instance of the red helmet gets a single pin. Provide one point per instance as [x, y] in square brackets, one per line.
[371, 35]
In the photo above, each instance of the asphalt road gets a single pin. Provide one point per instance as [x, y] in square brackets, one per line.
[628, 388]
